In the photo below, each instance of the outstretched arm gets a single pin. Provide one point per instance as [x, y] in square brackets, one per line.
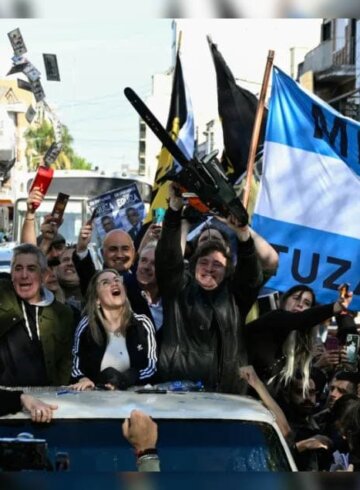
[249, 374]
[287, 321]
[39, 410]
[142, 433]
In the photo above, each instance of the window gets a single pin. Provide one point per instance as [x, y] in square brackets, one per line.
[229, 446]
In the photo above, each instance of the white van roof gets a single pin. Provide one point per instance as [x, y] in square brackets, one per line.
[118, 404]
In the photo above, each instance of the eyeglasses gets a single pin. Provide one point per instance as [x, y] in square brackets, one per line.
[105, 283]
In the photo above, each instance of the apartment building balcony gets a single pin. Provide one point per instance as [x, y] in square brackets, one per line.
[330, 66]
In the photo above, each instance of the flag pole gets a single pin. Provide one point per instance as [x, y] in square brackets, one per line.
[179, 42]
[256, 129]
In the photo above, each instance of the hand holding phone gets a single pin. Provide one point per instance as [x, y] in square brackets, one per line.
[93, 216]
[59, 207]
[158, 215]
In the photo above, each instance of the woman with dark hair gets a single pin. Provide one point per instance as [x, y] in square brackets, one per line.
[282, 341]
[113, 346]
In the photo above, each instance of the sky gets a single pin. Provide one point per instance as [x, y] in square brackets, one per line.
[98, 59]
[141, 9]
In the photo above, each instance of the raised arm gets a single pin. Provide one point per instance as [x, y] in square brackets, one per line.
[286, 321]
[152, 234]
[28, 232]
[248, 276]
[169, 262]
[83, 262]
[268, 256]
[248, 373]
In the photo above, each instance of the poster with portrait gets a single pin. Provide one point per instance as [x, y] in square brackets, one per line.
[118, 209]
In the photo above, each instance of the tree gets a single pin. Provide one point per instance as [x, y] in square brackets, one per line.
[39, 139]
[80, 163]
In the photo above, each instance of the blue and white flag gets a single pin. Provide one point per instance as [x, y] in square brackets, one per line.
[308, 204]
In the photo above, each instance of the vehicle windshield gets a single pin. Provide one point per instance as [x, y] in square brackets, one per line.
[220, 445]
[183, 445]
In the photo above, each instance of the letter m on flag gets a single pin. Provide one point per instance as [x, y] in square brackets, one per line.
[308, 202]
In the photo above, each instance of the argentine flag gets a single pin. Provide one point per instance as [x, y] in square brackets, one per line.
[308, 204]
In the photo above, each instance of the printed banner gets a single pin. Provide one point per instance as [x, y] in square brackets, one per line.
[118, 209]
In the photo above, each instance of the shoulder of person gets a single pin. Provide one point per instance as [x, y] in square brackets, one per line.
[141, 320]
[64, 313]
[6, 285]
[5, 276]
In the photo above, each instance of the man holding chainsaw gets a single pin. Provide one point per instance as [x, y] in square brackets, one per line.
[205, 307]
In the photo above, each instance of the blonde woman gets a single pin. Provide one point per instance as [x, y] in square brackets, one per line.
[282, 341]
[113, 346]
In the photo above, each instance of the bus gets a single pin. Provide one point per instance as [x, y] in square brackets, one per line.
[81, 185]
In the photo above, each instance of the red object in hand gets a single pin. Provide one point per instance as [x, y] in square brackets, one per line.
[42, 180]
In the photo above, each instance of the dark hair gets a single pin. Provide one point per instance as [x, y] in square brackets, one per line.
[209, 247]
[131, 208]
[350, 376]
[342, 405]
[316, 375]
[29, 249]
[350, 427]
[319, 378]
[107, 217]
[208, 228]
[295, 289]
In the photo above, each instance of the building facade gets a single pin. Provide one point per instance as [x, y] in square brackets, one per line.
[331, 70]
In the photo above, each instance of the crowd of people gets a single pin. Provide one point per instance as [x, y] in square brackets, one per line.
[165, 310]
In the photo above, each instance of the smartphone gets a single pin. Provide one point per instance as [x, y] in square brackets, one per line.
[59, 207]
[332, 343]
[93, 215]
[344, 289]
[42, 180]
[158, 215]
[352, 347]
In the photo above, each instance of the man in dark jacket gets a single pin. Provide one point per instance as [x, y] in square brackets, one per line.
[204, 308]
[35, 330]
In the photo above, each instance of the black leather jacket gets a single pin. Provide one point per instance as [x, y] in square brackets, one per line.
[202, 330]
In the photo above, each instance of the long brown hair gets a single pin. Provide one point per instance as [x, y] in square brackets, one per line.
[95, 314]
